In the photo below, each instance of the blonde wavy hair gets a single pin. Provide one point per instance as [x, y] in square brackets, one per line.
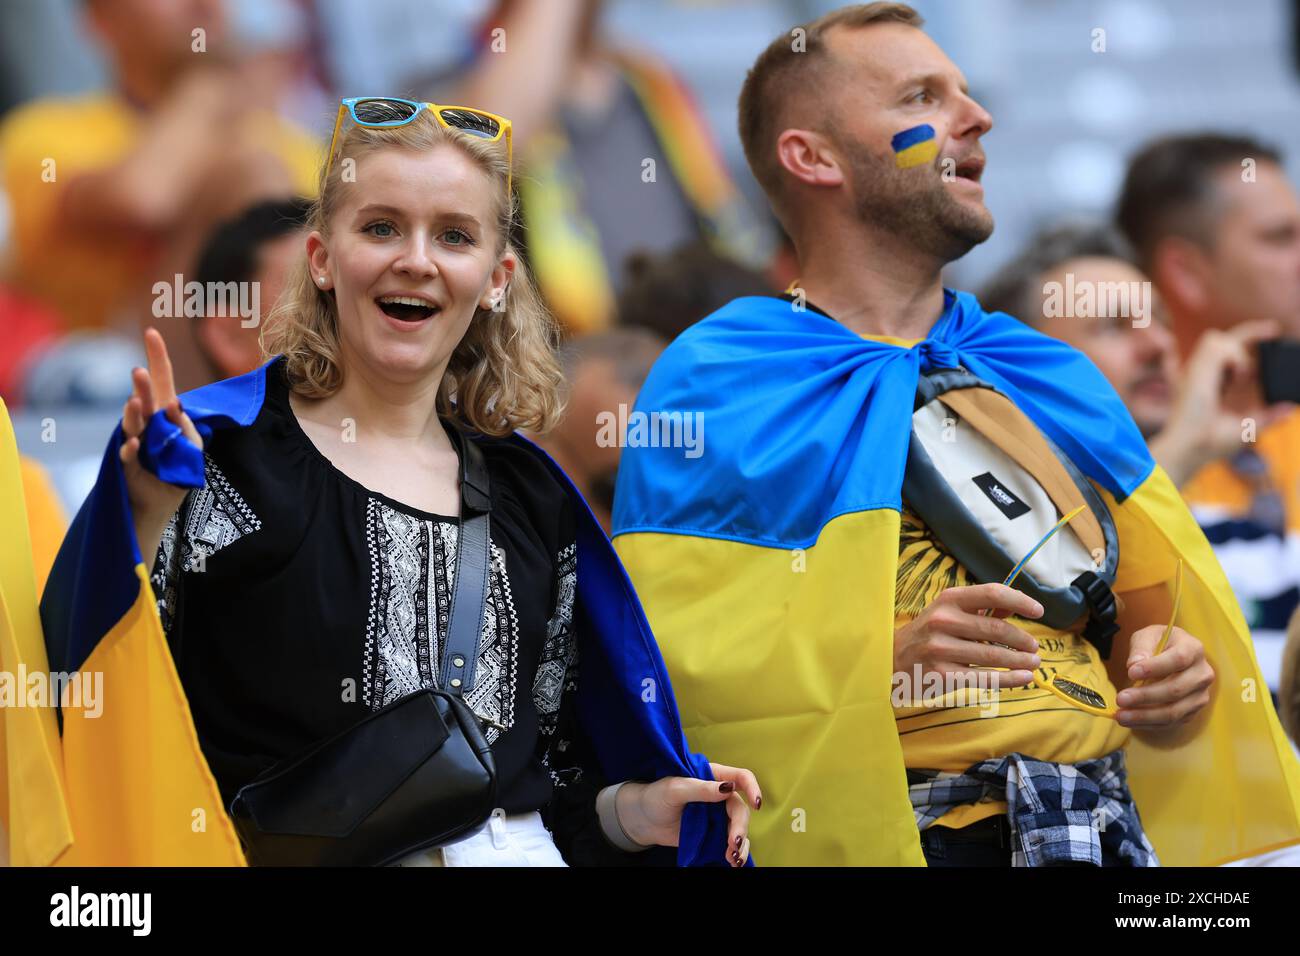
[503, 375]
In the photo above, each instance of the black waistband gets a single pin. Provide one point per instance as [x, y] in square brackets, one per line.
[994, 831]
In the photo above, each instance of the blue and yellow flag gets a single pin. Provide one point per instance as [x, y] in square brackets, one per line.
[767, 558]
[33, 812]
[915, 147]
[135, 783]
[138, 788]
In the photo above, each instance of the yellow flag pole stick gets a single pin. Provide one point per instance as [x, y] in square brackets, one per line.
[1015, 572]
[1169, 628]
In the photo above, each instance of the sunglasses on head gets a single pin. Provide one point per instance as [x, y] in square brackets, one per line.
[378, 112]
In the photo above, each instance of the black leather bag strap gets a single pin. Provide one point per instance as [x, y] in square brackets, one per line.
[473, 555]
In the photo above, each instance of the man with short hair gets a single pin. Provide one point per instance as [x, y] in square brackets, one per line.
[1126, 336]
[793, 588]
[1216, 225]
[257, 248]
[1081, 284]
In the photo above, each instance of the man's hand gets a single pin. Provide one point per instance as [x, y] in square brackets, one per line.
[1218, 390]
[1176, 682]
[950, 635]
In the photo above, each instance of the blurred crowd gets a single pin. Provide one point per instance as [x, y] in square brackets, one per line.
[197, 164]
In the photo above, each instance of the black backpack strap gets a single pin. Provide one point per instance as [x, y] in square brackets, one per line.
[473, 557]
[1103, 612]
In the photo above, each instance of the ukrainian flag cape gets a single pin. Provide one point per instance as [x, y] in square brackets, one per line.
[767, 566]
[134, 781]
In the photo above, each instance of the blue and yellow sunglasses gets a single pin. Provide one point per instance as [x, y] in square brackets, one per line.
[387, 111]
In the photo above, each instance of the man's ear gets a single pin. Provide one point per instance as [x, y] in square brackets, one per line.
[228, 345]
[1182, 269]
[809, 157]
[318, 261]
[494, 296]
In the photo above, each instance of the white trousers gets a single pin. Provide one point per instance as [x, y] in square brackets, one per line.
[516, 840]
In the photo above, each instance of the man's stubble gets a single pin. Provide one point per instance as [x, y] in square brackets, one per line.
[915, 206]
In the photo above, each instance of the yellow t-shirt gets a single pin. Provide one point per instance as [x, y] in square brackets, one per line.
[45, 144]
[1024, 720]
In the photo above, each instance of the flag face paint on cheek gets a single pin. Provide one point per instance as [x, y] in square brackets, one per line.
[915, 146]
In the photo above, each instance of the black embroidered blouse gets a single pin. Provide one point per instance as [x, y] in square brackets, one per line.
[296, 601]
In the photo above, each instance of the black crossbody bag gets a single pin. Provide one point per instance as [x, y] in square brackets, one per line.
[416, 774]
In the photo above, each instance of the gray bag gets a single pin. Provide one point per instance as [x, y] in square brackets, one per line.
[990, 484]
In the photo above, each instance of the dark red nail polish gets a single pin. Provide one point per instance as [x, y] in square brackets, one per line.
[738, 842]
[758, 802]
[726, 787]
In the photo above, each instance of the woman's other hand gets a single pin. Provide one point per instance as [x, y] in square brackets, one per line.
[651, 813]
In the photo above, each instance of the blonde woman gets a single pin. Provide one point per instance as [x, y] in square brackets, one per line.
[319, 553]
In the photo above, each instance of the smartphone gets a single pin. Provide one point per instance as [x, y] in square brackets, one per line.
[1279, 370]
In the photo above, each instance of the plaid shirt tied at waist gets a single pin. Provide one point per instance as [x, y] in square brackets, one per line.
[1059, 813]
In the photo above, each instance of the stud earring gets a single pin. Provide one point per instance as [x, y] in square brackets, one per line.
[320, 279]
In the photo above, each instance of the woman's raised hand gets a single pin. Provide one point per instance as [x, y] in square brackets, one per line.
[152, 501]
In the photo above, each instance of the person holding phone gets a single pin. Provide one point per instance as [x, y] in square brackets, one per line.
[1190, 415]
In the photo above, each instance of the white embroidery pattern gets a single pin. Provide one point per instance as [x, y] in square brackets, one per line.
[403, 548]
[215, 516]
[557, 670]
[413, 565]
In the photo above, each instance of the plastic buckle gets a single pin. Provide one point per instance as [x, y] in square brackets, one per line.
[1103, 612]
